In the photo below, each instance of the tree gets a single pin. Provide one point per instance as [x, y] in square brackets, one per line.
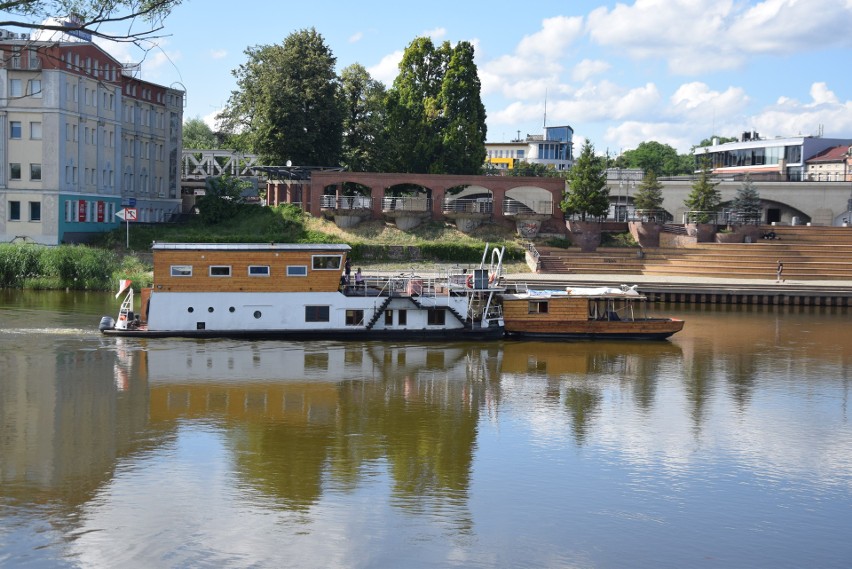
[222, 199]
[414, 120]
[587, 193]
[747, 201]
[705, 198]
[198, 136]
[95, 18]
[655, 156]
[536, 169]
[713, 140]
[649, 196]
[363, 101]
[287, 105]
[436, 119]
[464, 131]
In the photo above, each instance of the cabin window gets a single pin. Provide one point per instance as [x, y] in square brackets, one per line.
[297, 270]
[220, 270]
[354, 317]
[181, 270]
[388, 317]
[258, 270]
[402, 317]
[316, 313]
[436, 317]
[326, 262]
[538, 307]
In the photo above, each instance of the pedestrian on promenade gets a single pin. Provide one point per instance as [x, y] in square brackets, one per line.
[779, 272]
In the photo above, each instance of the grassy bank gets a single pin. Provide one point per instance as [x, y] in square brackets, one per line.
[67, 266]
[375, 245]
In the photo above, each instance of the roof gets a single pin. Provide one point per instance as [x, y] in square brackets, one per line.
[833, 154]
[340, 247]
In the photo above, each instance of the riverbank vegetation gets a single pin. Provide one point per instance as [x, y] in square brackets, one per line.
[376, 245]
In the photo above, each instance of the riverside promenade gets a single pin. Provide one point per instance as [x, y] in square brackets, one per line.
[685, 289]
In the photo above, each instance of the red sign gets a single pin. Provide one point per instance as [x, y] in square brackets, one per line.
[101, 212]
[81, 210]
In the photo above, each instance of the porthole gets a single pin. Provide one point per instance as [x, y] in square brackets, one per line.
[232, 309]
[257, 314]
[190, 309]
[209, 309]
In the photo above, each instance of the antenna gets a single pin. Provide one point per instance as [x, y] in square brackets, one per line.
[545, 109]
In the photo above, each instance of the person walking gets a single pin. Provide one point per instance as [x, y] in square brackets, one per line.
[779, 272]
[347, 269]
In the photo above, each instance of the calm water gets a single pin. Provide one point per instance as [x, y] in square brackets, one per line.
[728, 446]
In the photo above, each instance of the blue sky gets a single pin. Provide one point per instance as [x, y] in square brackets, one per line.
[674, 71]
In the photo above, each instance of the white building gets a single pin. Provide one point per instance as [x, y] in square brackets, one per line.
[79, 140]
[554, 149]
[770, 159]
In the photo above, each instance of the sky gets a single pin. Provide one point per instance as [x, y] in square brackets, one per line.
[618, 73]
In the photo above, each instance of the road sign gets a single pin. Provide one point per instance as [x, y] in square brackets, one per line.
[127, 214]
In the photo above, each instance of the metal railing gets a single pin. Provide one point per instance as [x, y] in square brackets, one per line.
[512, 206]
[468, 205]
[346, 202]
[418, 204]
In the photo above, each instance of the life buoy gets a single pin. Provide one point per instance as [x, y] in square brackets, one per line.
[122, 318]
[470, 281]
[492, 278]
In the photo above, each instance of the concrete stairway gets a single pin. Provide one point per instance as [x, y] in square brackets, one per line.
[808, 253]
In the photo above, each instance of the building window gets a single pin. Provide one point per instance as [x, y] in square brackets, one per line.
[388, 317]
[35, 130]
[316, 314]
[220, 270]
[181, 270]
[297, 270]
[14, 211]
[14, 129]
[15, 88]
[538, 307]
[258, 270]
[326, 262]
[436, 317]
[35, 171]
[34, 88]
[402, 317]
[14, 171]
[354, 317]
[35, 211]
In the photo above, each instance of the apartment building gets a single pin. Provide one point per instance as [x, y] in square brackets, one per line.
[80, 138]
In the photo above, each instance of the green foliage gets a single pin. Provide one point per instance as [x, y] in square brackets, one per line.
[587, 193]
[559, 242]
[534, 169]
[131, 267]
[64, 266]
[618, 240]
[660, 158]
[363, 119]
[649, 195]
[747, 201]
[435, 116]
[719, 140]
[222, 199]
[287, 104]
[198, 136]
[705, 196]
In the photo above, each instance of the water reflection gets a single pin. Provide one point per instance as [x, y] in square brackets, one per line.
[182, 452]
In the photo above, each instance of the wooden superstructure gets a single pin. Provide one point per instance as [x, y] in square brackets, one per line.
[249, 267]
[584, 314]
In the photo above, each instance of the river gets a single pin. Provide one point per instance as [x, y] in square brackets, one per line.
[729, 445]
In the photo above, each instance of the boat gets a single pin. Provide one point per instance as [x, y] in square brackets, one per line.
[300, 291]
[584, 313]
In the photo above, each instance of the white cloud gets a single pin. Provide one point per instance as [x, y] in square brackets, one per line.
[789, 117]
[589, 68]
[356, 37]
[555, 34]
[218, 53]
[697, 36]
[387, 69]
[435, 34]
